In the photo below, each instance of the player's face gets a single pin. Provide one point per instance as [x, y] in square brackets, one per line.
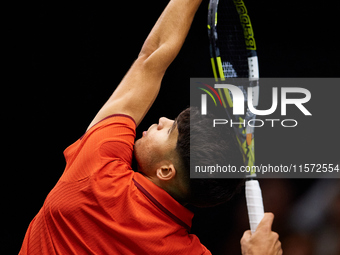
[156, 144]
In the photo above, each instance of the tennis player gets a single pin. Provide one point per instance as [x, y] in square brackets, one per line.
[101, 206]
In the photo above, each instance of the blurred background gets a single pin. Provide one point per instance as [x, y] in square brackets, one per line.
[65, 58]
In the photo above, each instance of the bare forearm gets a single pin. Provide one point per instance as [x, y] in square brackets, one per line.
[167, 36]
[139, 88]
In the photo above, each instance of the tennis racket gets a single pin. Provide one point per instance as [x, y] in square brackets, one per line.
[233, 55]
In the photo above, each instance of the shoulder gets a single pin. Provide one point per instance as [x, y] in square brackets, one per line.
[112, 137]
[116, 120]
[113, 133]
[111, 127]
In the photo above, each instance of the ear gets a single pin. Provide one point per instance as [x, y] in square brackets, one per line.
[166, 172]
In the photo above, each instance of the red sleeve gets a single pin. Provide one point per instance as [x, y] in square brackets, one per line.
[206, 251]
[109, 140]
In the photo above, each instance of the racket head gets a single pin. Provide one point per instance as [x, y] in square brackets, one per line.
[233, 56]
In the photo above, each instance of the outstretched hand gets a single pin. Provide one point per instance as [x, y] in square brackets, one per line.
[264, 241]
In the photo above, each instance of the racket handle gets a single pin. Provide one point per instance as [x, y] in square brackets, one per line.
[254, 203]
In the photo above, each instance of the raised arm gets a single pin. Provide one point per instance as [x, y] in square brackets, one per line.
[140, 86]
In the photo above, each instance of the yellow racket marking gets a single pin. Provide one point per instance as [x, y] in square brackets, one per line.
[227, 95]
[248, 153]
[214, 68]
[221, 73]
[220, 68]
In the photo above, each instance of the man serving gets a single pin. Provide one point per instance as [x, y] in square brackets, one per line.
[101, 206]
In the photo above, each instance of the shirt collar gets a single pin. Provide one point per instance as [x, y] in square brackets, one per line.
[164, 201]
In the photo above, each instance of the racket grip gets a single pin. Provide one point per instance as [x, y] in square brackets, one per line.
[254, 203]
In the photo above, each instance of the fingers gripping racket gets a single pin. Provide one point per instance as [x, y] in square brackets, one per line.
[233, 55]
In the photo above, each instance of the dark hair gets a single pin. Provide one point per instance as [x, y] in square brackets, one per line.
[207, 143]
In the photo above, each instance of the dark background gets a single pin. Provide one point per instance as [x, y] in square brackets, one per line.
[65, 58]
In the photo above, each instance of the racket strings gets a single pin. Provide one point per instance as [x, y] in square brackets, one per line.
[231, 41]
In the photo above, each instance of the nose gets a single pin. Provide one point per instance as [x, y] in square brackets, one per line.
[164, 122]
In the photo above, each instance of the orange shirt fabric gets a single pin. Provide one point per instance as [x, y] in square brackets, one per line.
[101, 206]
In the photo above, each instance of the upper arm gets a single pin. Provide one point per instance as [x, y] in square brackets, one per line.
[136, 92]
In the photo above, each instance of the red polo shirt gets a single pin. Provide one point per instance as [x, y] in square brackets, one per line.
[101, 206]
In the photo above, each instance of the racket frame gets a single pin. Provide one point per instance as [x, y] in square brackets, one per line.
[253, 191]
